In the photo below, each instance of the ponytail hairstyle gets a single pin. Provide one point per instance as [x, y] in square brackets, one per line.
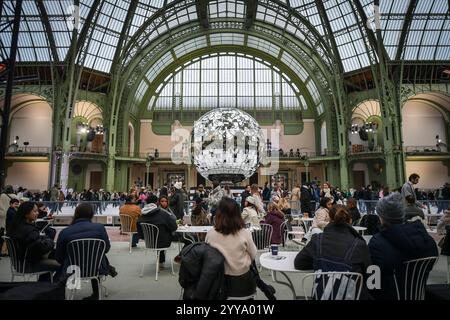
[339, 215]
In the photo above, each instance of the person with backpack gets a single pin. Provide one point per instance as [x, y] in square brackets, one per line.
[230, 238]
[396, 243]
[338, 248]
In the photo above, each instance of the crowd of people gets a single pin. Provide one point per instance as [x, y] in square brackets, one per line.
[396, 222]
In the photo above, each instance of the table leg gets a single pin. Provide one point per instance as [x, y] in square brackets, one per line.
[288, 283]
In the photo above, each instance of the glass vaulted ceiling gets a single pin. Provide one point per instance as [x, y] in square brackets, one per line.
[427, 36]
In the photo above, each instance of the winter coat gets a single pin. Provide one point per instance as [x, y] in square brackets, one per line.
[250, 215]
[176, 203]
[275, 219]
[133, 211]
[411, 211]
[354, 212]
[82, 229]
[305, 200]
[27, 236]
[446, 243]
[336, 241]
[202, 272]
[445, 221]
[392, 246]
[162, 219]
[321, 218]
[4, 206]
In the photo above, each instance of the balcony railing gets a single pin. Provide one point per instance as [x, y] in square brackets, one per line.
[27, 151]
[412, 150]
[274, 154]
[361, 149]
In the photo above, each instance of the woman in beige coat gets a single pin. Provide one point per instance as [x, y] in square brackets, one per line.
[250, 213]
[295, 198]
[321, 217]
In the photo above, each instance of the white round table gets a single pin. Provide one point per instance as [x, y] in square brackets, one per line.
[360, 229]
[194, 229]
[283, 265]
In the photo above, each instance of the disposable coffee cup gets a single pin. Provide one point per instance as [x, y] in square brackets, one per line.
[274, 249]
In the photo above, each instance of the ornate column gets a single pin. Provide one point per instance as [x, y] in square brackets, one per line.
[64, 177]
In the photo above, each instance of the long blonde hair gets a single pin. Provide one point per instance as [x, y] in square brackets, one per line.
[283, 204]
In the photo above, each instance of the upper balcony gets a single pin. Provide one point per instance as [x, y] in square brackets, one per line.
[26, 151]
[273, 155]
[366, 152]
[426, 152]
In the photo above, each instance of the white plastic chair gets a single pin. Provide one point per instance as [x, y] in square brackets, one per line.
[87, 254]
[19, 266]
[334, 285]
[126, 222]
[416, 275]
[151, 234]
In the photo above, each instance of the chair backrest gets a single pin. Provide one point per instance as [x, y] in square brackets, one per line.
[87, 254]
[307, 224]
[412, 286]
[17, 263]
[151, 234]
[333, 285]
[126, 222]
[262, 237]
[284, 232]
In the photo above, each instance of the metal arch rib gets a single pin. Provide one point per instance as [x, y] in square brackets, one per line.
[48, 29]
[137, 40]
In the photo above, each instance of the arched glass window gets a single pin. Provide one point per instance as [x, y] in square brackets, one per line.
[227, 80]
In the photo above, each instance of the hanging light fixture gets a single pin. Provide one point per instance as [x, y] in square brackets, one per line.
[227, 145]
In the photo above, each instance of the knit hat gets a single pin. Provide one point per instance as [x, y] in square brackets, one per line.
[250, 199]
[178, 185]
[391, 208]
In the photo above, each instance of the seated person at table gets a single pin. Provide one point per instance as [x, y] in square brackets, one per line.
[199, 217]
[176, 236]
[413, 212]
[164, 204]
[83, 228]
[13, 205]
[134, 211]
[396, 243]
[163, 220]
[230, 237]
[250, 213]
[353, 210]
[327, 250]
[45, 225]
[443, 223]
[275, 218]
[321, 218]
[39, 247]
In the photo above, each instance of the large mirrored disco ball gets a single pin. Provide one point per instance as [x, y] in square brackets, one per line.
[227, 145]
